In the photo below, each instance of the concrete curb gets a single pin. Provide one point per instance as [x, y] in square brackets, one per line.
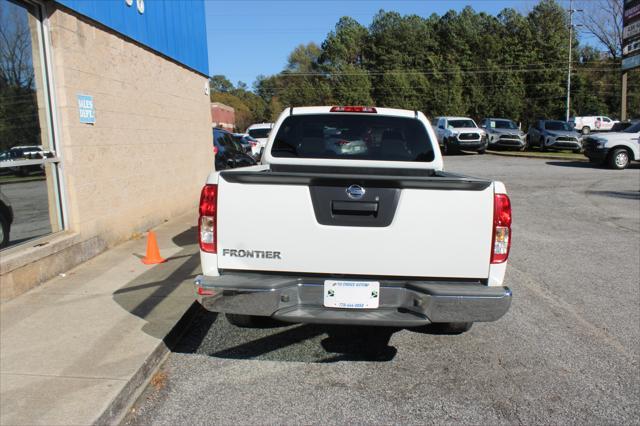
[119, 407]
[541, 157]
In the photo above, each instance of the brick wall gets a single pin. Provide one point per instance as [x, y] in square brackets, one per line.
[149, 152]
[223, 116]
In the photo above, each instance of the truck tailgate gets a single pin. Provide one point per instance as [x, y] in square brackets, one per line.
[413, 227]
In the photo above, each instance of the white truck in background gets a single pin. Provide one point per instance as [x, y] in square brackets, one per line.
[616, 150]
[359, 225]
[595, 123]
[259, 132]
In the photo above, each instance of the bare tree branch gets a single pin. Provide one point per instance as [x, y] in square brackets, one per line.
[603, 19]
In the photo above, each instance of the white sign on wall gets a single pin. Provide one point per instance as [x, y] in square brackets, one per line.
[86, 109]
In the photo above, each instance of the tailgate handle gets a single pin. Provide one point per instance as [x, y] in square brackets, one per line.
[355, 208]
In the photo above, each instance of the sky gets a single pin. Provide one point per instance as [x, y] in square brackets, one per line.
[247, 38]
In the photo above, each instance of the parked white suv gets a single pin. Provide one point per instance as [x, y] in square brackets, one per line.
[615, 149]
[373, 235]
[260, 132]
[460, 133]
[593, 123]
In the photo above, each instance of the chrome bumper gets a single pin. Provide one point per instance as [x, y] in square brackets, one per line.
[402, 303]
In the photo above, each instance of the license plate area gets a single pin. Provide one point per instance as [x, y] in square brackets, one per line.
[351, 294]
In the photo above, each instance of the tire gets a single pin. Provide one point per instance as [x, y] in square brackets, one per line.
[542, 147]
[585, 130]
[618, 159]
[447, 148]
[240, 320]
[4, 228]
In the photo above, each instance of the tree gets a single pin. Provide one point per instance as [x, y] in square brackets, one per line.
[546, 80]
[18, 102]
[345, 44]
[304, 58]
[220, 83]
[603, 19]
[467, 63]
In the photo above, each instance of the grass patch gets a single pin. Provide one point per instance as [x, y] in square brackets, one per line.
[549, 154]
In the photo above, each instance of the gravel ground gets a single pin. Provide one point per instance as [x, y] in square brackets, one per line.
[566, 352]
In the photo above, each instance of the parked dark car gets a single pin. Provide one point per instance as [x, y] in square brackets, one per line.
[6, 219]
[229, 153]
[623, 125]
[247, 142]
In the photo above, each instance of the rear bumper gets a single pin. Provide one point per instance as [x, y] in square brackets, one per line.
[402, 303]
[556, 144]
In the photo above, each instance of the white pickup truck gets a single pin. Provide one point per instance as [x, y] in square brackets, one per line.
[359, 225]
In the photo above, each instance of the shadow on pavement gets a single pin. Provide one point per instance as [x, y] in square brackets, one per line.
[576, 164]
[161, 295]
[585, 165]
[627, 195]
[211, 334]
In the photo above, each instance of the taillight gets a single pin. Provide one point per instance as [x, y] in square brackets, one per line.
[353, 109]
[215, 150]
[342, 142]
[501, 241]
[208, 218]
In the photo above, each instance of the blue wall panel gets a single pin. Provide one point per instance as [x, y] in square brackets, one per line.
[175, 28]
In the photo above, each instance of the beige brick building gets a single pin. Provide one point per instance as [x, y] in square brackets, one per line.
[142, 161]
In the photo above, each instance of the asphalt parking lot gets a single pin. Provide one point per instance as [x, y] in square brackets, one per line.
[566, 352]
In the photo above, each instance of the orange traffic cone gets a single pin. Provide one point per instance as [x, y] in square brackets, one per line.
[153, 252]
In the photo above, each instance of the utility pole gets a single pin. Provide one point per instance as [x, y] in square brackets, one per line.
[571, 10]
[623, 115]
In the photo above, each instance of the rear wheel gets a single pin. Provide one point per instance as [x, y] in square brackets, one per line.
[447, 147]
[619, 159]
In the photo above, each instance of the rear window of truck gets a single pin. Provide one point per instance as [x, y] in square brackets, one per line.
[353, 137]
[259, 133]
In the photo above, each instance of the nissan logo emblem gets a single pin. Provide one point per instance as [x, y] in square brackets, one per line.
[356, 192]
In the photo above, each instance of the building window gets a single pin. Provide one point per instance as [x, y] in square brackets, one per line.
[30, 202]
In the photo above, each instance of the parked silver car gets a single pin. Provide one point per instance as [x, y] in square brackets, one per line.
[554, 134]
[504, 133]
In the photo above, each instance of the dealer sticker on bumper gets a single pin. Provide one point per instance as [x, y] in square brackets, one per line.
[352, 294]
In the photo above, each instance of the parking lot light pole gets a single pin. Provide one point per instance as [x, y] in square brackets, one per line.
[571, 11]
